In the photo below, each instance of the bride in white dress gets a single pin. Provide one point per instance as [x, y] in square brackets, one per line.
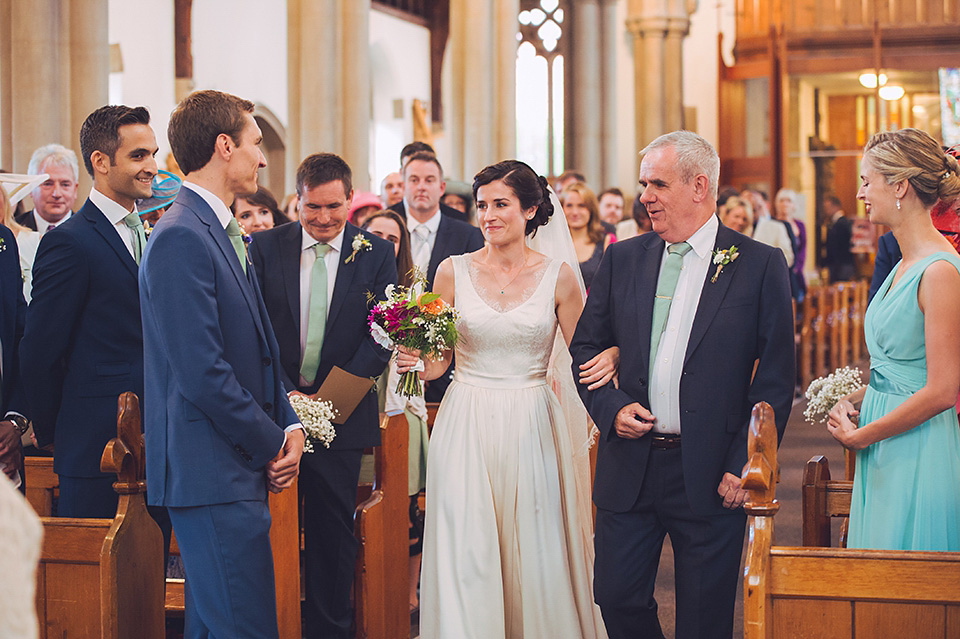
[508, 548]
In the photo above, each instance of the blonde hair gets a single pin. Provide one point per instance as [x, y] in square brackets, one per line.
[734, 202]
[6, 213]
[914, 156]
[594, 228]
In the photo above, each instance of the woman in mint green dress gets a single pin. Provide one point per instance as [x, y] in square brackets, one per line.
[906, 489]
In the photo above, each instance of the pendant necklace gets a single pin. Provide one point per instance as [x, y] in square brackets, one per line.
[513, 279]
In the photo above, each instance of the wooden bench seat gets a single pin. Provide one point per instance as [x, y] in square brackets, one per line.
[826, 593]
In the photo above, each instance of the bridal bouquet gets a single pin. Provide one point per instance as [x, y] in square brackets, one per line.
[825, 392]
[416, 320]
[317, 419]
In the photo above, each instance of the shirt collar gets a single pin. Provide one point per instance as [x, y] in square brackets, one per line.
[432, 224]
[219, 208]
[704, 239]
[307, 240]
[110, 209]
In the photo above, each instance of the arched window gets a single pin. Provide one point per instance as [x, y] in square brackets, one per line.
[540, 85]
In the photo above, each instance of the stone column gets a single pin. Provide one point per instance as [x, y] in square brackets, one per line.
[54, 72]
[585, 92]
[611, 30]
[481, 116]
[328, 70]
[658, 29]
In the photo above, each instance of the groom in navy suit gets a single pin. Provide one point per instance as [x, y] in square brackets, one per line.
[712, 308]
[316, 277]
[219, 429]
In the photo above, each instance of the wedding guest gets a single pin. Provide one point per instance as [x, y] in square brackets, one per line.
[737, 214]
[422, 151]
[314, 276]
[907, 439]
[257, 212]
[219, 429]
[391, 189]
[27, 241]
[13, 404]
[772, 233]
[506, 547]
[639, 222]
[839, 244]
[391, 227]
[784, 210]
[363, 206]
[673, 434]
[164, 190]
[611, 205]
[457, 196]
[589, 237]
[53, 199]
[568, 177]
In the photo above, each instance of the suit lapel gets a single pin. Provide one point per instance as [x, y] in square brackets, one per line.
[713, 292]
[290, 248]
[219, 236]
[345, 272]
[648, 270]
[107, 231]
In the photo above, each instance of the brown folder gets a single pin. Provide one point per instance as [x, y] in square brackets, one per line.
[345, 390]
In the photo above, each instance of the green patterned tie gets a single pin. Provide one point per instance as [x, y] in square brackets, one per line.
[317, 318]
[666, 285]
[134, 223]
[236, 238]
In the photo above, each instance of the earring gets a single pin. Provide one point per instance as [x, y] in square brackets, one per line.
[898, 204]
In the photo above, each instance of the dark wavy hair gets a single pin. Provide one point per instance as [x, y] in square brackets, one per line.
[101, 131]
[404, 255]
[531, 189]
[263, 198]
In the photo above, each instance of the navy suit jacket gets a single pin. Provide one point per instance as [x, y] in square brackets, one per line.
[888, 254]
[214, 404]
[744, 317]
[453, 238]
[12, 316]
[26, 219]
[347, 342]
[83, 344]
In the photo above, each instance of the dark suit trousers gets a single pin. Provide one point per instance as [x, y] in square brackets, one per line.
[328, 487]
[229, 585]
[706, 551]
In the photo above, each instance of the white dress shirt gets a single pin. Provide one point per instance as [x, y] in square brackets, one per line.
[115, 214]
[224, 216]
[307, 258]
[668, 366]
[43, 226]
[431, 225]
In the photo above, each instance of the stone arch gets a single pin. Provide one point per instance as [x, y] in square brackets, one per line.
[274, 146]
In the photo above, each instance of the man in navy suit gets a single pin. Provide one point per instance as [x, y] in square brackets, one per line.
[83, 344]
[12, 315]
[53, 199]
[673, 437]
[219, 429]
[316, 277]
[433, 236]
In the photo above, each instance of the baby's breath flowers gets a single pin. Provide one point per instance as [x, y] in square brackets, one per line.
[317, 419]
[824, 392]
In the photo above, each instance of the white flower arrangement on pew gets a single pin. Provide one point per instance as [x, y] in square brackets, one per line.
[824, 392]
[317, 418]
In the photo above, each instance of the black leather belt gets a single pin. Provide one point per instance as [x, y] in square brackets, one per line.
[664, 442]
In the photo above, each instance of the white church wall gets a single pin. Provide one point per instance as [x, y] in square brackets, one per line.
[400, 73]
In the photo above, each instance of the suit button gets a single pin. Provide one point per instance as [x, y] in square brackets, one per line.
[267, 361]
[642, 380]
[267, 407]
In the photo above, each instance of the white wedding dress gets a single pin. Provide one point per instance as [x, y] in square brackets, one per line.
[506, 552]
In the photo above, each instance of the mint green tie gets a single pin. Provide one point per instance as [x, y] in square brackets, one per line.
[666, 285]
[236, 238]
[317, 318]
[135, 224]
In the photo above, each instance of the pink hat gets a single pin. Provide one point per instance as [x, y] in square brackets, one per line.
[362, 199]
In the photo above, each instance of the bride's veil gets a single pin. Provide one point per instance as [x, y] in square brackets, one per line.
[554, 240]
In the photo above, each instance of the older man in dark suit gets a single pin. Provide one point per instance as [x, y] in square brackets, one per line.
[703, 319]
[316, 277]
[53, 199]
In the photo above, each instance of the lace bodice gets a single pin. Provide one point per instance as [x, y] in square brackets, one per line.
[504, 348]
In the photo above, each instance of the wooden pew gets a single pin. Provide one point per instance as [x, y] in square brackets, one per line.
[103, 577]
[382, 584]
[823, 500]
[793, 592]
[43, 485]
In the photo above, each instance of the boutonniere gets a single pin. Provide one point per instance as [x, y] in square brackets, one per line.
[3, 245]
[147, 229]
[359, 244]
[722, 257]
[247, 239]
